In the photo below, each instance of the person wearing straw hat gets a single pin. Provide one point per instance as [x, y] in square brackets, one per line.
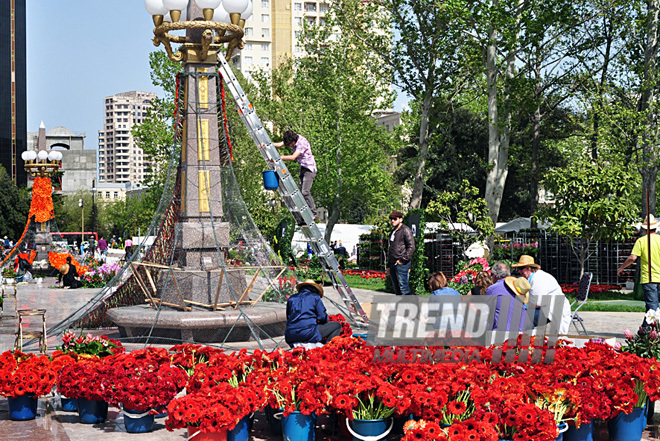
[641, 250]
[306, 317]
[544, 284]
[501, 273]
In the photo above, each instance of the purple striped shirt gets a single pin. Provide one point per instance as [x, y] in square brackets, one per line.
[306, 158]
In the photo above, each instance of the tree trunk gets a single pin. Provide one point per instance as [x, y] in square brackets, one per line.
[603, 81]
[648, 166]
[493, 177]
[420, 179]
[536, 143]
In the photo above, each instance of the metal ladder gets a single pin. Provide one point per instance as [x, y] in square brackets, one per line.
[291, 195]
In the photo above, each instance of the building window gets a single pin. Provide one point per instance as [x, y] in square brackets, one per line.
[322, 21]
[248, 46]
[297, 6]
[311, 21]
[265, 18]
[248, 61]
[298, 50]
[107, 195]
[248, 31]
[264, 61]
[265, 3]
[310, 7]
[298, 34]
[265, 47]
[116, 195]
[265, 32]
[298, 21]
[323, 8]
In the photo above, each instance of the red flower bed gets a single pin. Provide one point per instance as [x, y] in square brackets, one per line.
[572, 288]
[365, 274]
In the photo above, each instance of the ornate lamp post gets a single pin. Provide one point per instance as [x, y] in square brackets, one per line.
[42, 166]
[209, 25]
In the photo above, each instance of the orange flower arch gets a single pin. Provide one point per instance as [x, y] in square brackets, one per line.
[42, 200]
[59, 259]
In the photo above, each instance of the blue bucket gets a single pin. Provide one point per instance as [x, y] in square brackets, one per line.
[92, 411]
[583, 433]
[361, 429]
[271, 182]
[628, 427]
[69, 404]
[23, 408]
[299, 427]
[242, 430]
[141, 424]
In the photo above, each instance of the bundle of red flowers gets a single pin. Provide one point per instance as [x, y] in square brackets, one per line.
[142, 380]
[25, 374]
[219, 409]
[84, 379]
[98, 346]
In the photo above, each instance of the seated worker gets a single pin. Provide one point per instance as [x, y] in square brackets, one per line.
[69, 275]
[306, 318]
[438, 285]
[515, 288]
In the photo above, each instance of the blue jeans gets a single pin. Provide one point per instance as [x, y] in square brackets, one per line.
[400, 275]
[650, 291]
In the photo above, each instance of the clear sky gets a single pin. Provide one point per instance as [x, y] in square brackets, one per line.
[79, 52]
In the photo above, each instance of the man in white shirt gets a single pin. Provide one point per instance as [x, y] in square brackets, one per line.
[544, 284]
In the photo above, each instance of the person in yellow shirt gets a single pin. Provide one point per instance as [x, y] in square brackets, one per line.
[641, 249]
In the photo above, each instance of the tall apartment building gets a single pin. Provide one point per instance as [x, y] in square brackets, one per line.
[274, 30]
[13, 96]
[120, 160]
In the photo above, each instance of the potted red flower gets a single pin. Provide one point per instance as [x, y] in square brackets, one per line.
[208, 416]
[84, 380]
[23, 379]
[141, 382]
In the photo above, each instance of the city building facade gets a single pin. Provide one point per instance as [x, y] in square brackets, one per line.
[13, 89]
[120, 159]
[78, 171]
[273, 31]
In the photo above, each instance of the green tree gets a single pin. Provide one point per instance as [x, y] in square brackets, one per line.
[329, 96]
[422, 55]
[453, 208]
[14, 206]
[592, 202]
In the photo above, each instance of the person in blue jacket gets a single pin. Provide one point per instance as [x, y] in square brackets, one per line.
[306, 317]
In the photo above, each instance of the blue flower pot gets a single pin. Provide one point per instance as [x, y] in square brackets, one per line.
[92, 411]
[69, 404]
[628, 427]
[368, 429]
[583, 433]
[299, 427]
[242, 430]
[134, 424]
[562, 429]
[23, 408]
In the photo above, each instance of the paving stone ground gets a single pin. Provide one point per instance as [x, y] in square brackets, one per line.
[52, 424]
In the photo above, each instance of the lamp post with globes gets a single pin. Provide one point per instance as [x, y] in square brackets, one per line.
[44, 165]
[202, 29]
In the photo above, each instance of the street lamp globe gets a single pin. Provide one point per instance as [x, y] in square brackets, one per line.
[24, 156]
[221, 15]
[155, 7]
[52, 155]
[236, 6]
[42, 155]
[176, 7]
[248, 12]
[208, 4]
[31, 155]
[59, 156]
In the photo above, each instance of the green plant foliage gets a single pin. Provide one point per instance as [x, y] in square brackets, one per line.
[592, 202]
[462, 207]
[281, 238]
[419, 273]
